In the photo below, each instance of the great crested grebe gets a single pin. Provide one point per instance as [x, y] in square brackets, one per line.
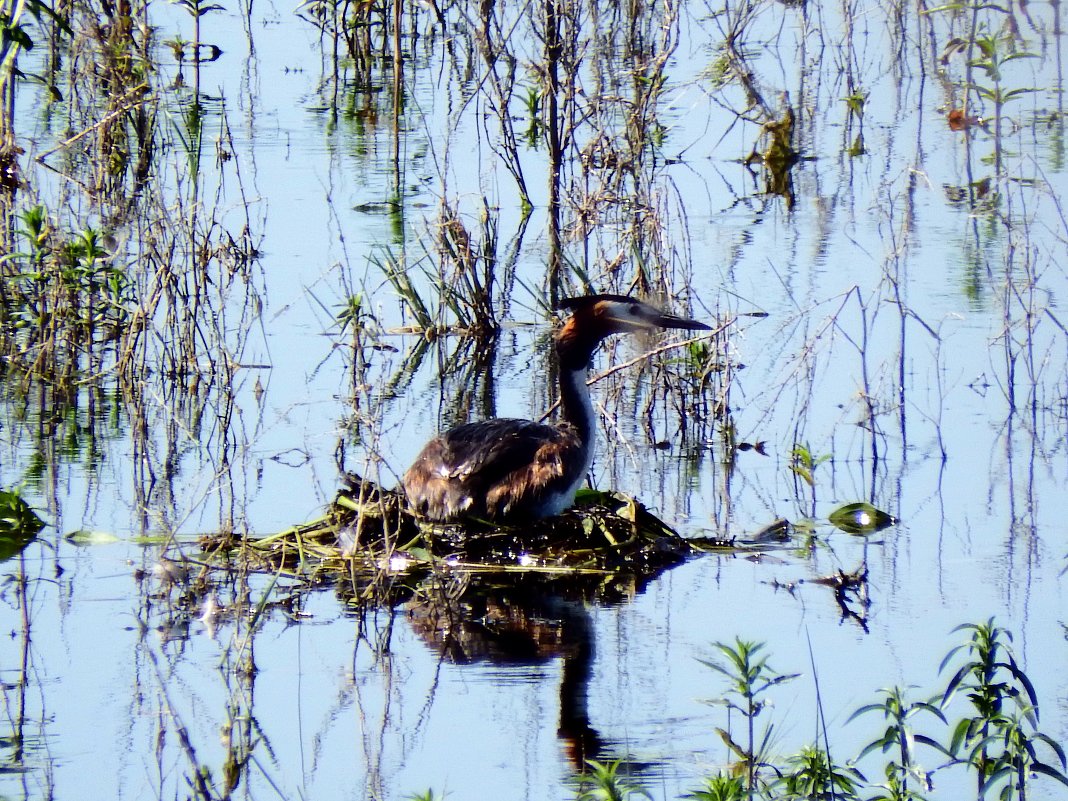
[507, 470]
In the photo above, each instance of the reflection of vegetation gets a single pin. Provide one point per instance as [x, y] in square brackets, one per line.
[64, 427]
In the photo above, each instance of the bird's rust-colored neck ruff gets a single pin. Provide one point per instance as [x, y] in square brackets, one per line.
[575, 344]
[580, 336]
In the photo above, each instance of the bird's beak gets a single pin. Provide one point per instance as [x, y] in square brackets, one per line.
[671, 321]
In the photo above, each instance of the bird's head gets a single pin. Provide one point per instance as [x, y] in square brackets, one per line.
[602, 315]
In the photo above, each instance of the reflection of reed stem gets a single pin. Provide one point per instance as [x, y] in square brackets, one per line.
[18, 714]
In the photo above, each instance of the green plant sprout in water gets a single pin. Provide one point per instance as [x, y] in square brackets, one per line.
[803, 464]
[607, 784]
[720, 787]
[903, 772]
[856, 102]
[750, 678]
[1000, 740]
[352, 313]
[812, 776]
[532, 104]
[995, 53]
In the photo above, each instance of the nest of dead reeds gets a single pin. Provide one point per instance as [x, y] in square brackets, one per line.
[369, 539]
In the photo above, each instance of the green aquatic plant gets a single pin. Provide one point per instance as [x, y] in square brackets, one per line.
[61, 296]
[750, 677]
[606, 783]
[1000, 742]
[36, 231]
[904, 772]
[19, 524]
[719, 787]
[803, 463]
[989, 52]
[856, 102]
[1000, 739]
[996, 51]
[810, 775]
[532, 105]
[351, 313]
[396, 274]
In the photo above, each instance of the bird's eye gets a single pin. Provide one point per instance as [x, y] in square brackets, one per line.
[635, 310]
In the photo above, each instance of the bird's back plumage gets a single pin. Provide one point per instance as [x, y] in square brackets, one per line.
[503, 469]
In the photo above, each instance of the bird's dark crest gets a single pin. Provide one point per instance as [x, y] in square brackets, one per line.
[582, 301]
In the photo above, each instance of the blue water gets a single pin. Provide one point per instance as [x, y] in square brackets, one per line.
[875, 273]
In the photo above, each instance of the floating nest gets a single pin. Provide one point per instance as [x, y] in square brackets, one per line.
[608, 545]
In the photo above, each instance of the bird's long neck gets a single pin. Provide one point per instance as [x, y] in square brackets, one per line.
[576, 407]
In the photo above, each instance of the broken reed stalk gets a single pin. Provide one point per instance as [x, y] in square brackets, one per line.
[552, 68]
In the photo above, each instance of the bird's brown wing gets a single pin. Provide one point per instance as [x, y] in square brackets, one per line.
[493, 470]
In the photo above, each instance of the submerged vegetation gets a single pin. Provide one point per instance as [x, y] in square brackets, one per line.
[250, 253]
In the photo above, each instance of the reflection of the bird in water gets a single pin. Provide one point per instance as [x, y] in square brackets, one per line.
[524, 619]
